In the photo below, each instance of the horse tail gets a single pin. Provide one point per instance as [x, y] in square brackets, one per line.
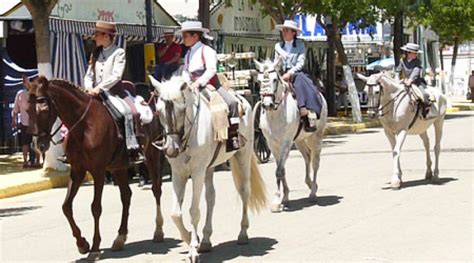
[258, 193]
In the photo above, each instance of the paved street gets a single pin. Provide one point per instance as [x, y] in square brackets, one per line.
[357, 217]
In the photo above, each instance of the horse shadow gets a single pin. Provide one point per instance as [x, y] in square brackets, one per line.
[300, 204]
[422, 182]
[16, 211]
[138, 248]
[257, 246]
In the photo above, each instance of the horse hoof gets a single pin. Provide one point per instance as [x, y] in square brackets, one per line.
[205, 247]
[243, 240]
[119, 243]
[277, 208]
[193, 257]
[435, 180]
[312, 199]
[428, 176]
[84, 249]
[158, 237]
[396, 185]
[93, 256]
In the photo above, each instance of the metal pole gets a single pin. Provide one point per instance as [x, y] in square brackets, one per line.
[149, 14]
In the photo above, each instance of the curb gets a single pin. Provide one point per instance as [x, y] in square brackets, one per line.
[341, 128]
[50, 179]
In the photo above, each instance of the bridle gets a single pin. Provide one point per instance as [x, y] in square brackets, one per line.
[265, 90]
[380, 109]
[172, 127]
[49, 136]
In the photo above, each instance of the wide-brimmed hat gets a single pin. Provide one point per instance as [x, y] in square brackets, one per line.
[192, 26]
[168, 32]
[290, 24]
[412, 48]
[105, 27]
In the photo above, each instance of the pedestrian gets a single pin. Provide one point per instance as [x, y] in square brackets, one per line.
[20, 107]
[471, 86]
[168, 56]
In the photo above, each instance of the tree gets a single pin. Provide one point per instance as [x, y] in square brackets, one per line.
[338, 14]
[40, 11]
[453, 22]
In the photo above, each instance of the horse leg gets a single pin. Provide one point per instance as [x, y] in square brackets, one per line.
[152, 163]
[281, 198]
[241, 175]
[316, 154]
[121, 178]
[99, 177]
[438, 124]
[206, 245]
[77, 175]
[391, 138]
[179, 186]
[198, 183]
[305, 151]
[426, 144]
[396, 181]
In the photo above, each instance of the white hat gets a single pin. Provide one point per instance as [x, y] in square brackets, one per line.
[193, 26]
[293, 25]
[411, 47]
[168, 31]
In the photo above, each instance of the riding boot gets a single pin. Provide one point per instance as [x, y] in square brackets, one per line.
[233, 141]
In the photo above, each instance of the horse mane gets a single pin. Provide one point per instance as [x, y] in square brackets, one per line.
[68, 85]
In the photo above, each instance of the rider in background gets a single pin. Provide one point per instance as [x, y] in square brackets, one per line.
[200, 68]
[292, 52]
[410, 68]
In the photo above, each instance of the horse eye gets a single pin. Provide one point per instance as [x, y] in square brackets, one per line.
[41, 100]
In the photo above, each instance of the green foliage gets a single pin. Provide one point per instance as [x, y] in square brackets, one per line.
[452, 20]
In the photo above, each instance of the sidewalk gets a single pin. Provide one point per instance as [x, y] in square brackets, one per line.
[16, 181]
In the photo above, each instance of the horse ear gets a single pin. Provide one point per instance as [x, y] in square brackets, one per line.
[277, 63]
[362, 77]
[258, 65]
[26, 83]
[155, 83]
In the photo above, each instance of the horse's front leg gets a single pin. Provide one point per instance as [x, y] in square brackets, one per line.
[121, 178]
[282, 194]
[179, 186]
[77, 175]
[438, 125]
[198, 183]
[206, 244]
[99, 177]
[396, 181]
[316, 145]
[426, 144]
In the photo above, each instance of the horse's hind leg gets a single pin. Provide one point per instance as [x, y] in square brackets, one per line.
[305, 151]
[121, 178]
[179, 186]
[426, 144]
[206, 245]
[241, 175]
[316, 145]
[99, 177]
[438, 124]
[77, 175]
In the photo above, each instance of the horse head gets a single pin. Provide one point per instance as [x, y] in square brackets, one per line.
[270, 82]
[373, 90]
[173, 98]
[41, 110]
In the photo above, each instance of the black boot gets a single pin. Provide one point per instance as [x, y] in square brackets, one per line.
[307, 127]
[233, 141]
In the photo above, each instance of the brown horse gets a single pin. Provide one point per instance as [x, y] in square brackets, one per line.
[93, 145]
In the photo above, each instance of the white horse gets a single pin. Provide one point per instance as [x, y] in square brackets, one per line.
[280, 124]
[192, 152]
[398, 114]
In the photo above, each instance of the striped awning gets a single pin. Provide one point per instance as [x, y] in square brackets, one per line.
[131, 32]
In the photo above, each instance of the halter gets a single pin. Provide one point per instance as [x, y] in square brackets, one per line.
[50, 102]
[266, 93]
[171, 129]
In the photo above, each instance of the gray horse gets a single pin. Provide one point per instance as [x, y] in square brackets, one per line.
[396, 107]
